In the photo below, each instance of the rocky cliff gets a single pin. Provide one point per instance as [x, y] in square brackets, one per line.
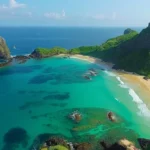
[4, 51]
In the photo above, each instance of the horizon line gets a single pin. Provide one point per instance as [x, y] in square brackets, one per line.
[71, 26]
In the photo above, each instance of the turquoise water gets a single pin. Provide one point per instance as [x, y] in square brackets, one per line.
[38, 94]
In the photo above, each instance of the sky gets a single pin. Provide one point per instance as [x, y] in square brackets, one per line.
[100, 13]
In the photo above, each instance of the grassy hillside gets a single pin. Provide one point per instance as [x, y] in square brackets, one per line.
[130, 51]
[109, 44]
[47, 52]
[133, 54]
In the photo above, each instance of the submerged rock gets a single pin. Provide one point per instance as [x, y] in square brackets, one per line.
[14, 137]
[83, 146]
[122, 144]
[144, 143]
[76, 116]
[21, 58]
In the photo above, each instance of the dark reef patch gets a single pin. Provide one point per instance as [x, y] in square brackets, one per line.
[57, 96]
[48, 70]
[39, 79]
[31, 104]
[65, 74]
[15, 137]
[40, 116]
[36, 92]
[20, 70]
[59, 105]
[52, 95]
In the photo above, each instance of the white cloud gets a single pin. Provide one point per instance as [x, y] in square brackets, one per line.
[112, 16]
[15, 4]
[54, 15]
[12, 5]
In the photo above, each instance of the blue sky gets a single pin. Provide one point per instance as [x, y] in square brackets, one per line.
[74, 12]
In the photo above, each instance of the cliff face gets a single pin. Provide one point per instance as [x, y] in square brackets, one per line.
[141, 41]
[4, 51]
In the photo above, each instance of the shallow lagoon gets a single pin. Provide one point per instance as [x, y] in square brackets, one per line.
[38, 95]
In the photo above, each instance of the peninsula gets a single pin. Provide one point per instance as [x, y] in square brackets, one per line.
[129, 52]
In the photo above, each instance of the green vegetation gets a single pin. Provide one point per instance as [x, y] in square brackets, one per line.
[130, 51]
[109, 44]
[4, 51]
[127, 31]
[84, 50]
[58, 147]
[45, 52]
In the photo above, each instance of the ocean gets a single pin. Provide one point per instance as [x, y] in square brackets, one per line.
[36, 97]
[23, 40]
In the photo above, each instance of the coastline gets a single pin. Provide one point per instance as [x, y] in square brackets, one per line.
[140, 85]
[90, 59]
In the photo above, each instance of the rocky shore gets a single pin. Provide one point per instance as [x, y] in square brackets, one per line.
[57, 143]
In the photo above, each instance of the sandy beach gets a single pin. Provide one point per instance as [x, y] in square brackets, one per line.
[140, 86]
[90, 59]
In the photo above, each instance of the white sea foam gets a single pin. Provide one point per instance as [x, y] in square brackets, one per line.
[26, 54]
[118, 78]
[12, 56]
[144, 111]
[142, 107]
[123, 86]
[109, 73]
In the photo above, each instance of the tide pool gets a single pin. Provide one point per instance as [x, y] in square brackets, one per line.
[39, 94]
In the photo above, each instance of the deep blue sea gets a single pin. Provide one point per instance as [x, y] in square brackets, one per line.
[26, 39]
[36, 97]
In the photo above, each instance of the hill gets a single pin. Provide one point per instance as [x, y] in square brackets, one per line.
[47, 52]
[130, 51]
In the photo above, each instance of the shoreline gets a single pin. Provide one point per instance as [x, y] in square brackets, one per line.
[140, 85]
[90, 59]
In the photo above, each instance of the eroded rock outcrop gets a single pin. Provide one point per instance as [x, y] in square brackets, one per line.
[4, 50]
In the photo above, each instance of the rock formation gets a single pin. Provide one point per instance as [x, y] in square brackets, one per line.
[4, 51]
